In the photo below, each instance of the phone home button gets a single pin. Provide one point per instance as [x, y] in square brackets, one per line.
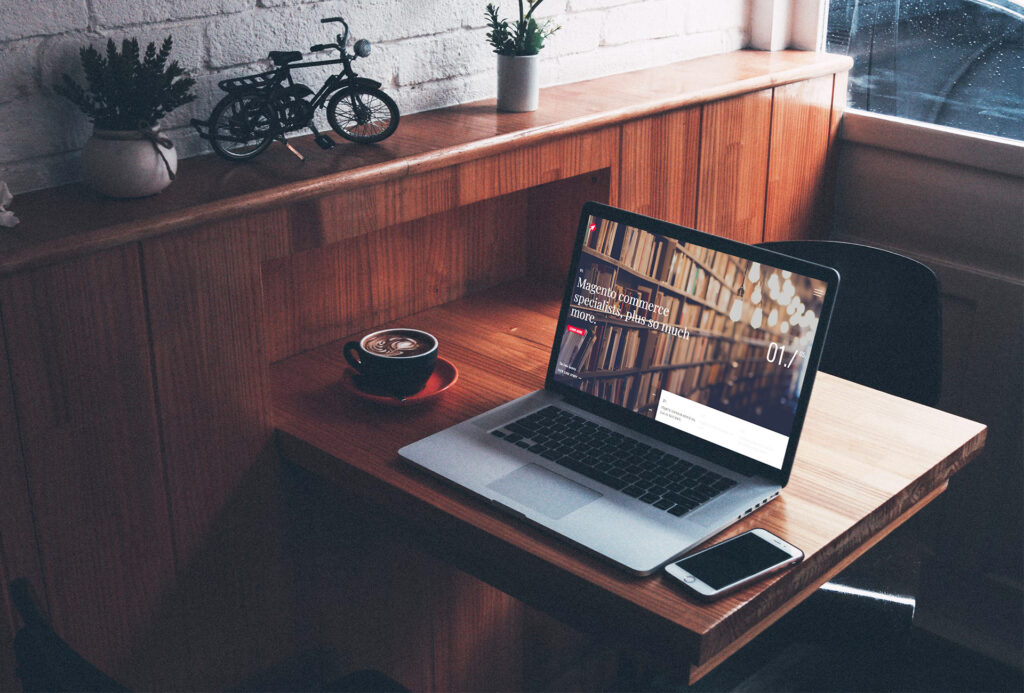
[689, 578]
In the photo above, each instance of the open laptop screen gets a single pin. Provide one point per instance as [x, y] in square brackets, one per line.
[712, 343]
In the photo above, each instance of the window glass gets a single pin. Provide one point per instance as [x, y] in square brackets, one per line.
[958, 63]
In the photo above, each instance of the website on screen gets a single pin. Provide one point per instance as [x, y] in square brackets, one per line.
[706, 342]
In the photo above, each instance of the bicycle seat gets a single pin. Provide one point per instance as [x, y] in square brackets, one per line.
[284, 57]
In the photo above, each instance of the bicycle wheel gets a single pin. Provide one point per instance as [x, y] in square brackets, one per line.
[362, 115]
[241, 126]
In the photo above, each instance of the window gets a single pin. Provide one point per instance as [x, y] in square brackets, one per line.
[958, 63]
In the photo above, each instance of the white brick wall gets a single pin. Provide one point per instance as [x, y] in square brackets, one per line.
[427, 54]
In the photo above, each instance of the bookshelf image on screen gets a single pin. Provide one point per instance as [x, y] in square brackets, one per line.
[702, 340]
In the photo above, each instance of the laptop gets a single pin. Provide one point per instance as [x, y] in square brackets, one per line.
[675, 393]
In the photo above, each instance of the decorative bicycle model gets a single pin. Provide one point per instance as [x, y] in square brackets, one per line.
[261, 108]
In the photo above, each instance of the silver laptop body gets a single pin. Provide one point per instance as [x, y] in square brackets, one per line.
[672, 339]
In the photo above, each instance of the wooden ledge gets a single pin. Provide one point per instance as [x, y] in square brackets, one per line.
[71, 220]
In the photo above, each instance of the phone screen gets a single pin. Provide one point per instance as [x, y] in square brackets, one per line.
[733, 560]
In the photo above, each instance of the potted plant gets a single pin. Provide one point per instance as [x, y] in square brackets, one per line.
[127, 95]
[518, 46]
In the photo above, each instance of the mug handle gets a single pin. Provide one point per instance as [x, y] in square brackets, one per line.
[348, 350]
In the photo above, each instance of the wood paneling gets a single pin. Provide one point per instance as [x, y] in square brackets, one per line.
[206, 311]
[472, 623]
[855, 477]
[316, 297]
[80, 367]
[798, 199]
[19, 556]
[8, 680]
[733, 166]
[658, 176]
[553, 213]
[228, 612]
[18, 547]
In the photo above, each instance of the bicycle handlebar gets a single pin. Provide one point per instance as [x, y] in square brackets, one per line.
[332, 19]
[320, 47]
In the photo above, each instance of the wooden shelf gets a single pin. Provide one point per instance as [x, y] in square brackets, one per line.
[72, 220]
[856, 477]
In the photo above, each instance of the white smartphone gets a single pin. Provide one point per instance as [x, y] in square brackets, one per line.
[733, 563]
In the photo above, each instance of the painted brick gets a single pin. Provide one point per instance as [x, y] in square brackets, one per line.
[116, 13]
[643, 21]
[442, 57]
[24, 18]
[422, 97]
[18, 70]
[580, 33]
[41, 172]
[584, 5]
[41, 125]
[247, 37]
[712, 16]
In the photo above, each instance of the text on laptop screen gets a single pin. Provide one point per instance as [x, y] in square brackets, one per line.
[709, 343]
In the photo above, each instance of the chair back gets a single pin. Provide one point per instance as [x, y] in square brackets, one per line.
[886, 327]
[45, 662]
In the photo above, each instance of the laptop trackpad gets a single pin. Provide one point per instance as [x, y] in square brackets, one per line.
[544, 491]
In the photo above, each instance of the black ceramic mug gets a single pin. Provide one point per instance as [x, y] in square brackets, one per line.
[396, 362]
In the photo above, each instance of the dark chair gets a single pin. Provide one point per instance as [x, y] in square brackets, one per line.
[45, 662]
[886, 329]
[885, 333]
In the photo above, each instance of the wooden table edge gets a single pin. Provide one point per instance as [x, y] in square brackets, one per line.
[710, 662]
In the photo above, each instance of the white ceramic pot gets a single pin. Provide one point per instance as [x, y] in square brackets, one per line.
[518, 82]
[126, 163]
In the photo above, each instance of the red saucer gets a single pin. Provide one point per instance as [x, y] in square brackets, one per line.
[444, 376]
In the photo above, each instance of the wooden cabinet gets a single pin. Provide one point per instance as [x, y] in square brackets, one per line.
[799, 191]
[141, 492]
[660, 157]
[734, 142]
[92, 477]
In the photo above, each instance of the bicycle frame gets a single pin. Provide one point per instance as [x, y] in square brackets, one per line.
[291, 103]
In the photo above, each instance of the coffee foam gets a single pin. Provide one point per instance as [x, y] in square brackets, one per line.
[397, 344]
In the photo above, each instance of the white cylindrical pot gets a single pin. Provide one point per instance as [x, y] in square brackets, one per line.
[127, 163]
[518, 82]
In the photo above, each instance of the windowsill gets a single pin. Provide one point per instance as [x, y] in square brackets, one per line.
[976, 150]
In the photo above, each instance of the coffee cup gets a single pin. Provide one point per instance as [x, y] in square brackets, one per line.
[396, 361]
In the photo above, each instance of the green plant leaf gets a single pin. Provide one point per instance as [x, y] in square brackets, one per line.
[127, 90]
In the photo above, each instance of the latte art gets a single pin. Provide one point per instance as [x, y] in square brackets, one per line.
[397, 344]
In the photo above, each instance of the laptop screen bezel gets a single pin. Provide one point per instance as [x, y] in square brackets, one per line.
[663, 432]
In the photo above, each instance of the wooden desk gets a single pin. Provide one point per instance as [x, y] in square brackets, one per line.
[866, 463]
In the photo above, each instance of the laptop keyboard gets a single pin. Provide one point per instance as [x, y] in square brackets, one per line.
[653, 476]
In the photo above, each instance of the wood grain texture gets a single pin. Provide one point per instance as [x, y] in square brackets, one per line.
[734, 142]
[798, 197]
[226, 616]
[316, 297]
[552, 215]
[658, 176]
[19, 556]
[856, 475]
[18, 548]
[472, 624]
[79, 354]
[208, 189]
[8, 627]
[206, 310]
